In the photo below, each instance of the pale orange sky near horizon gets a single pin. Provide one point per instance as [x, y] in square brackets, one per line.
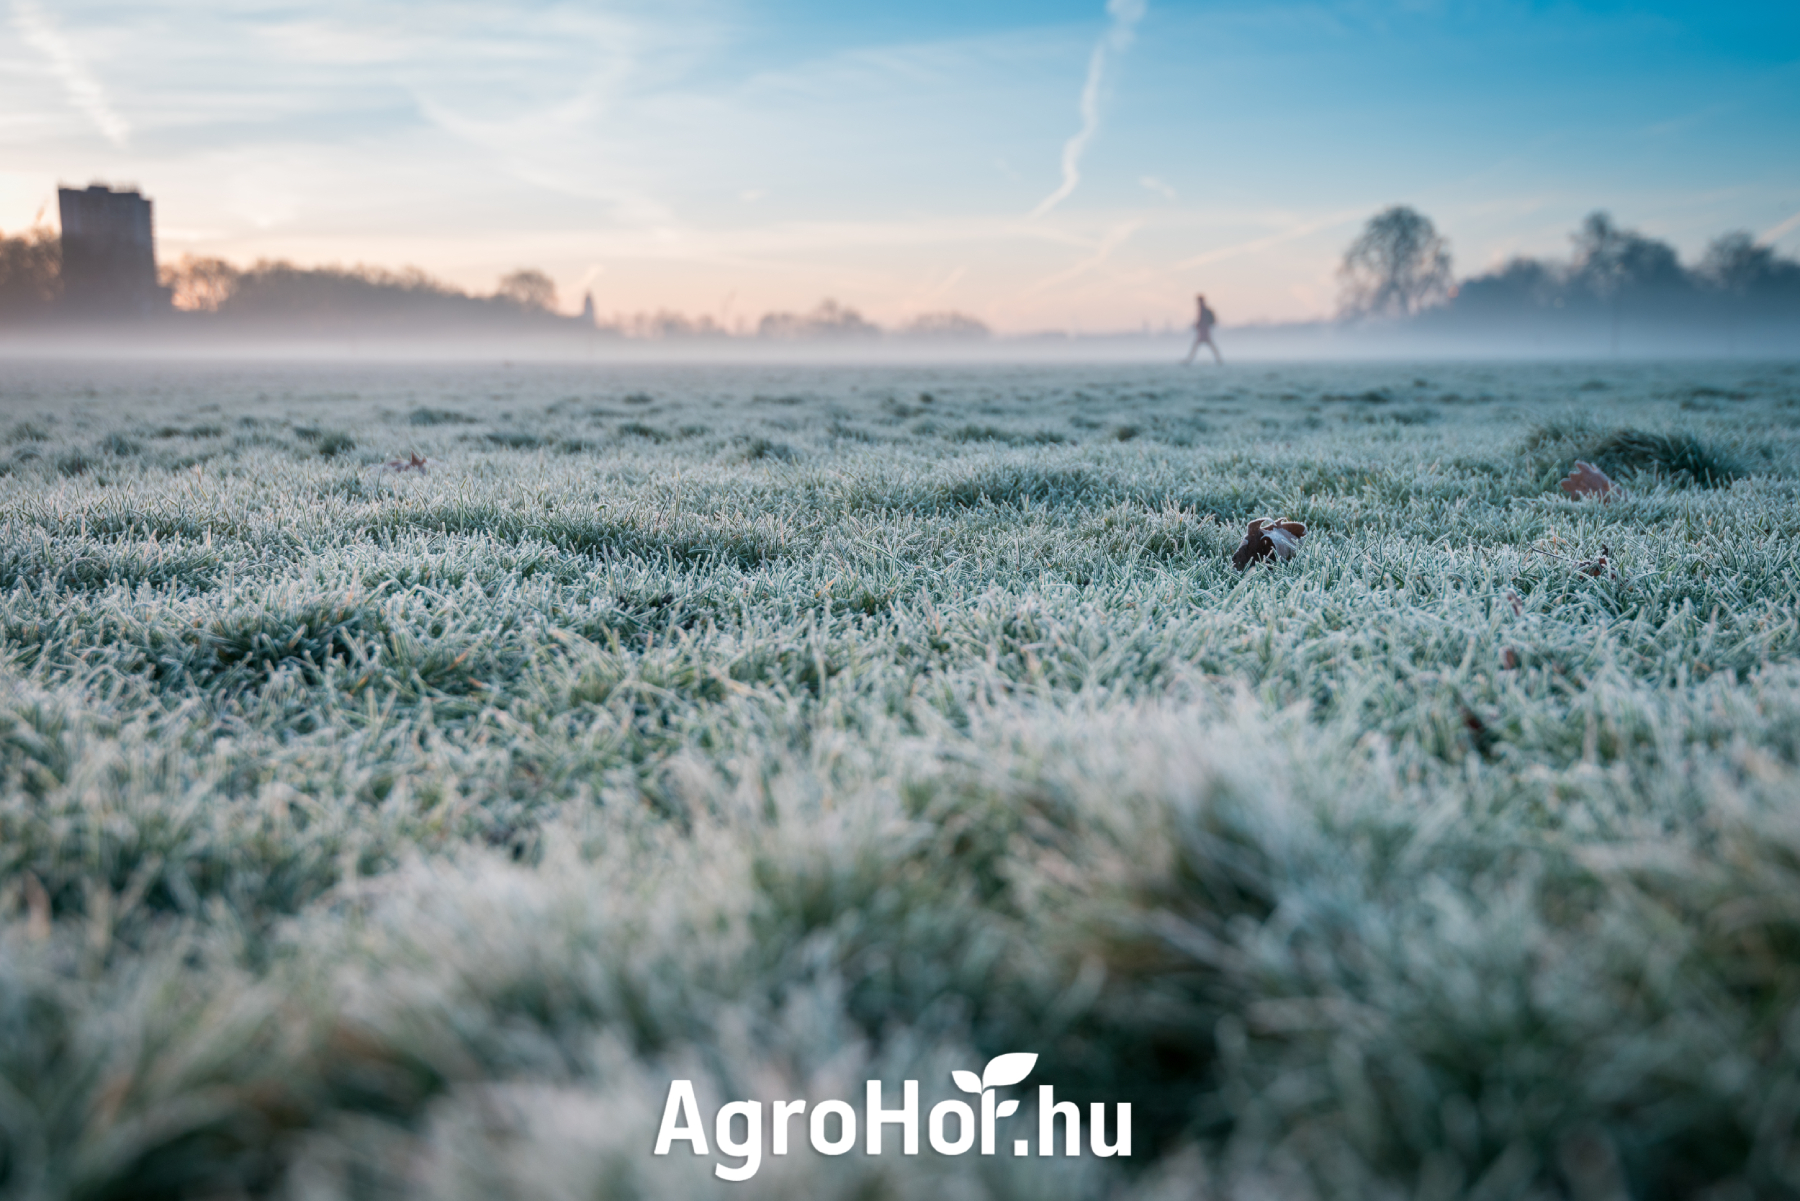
[1080, 167]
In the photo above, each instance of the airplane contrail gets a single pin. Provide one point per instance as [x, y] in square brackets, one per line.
[1768, 236]
[1125, 15]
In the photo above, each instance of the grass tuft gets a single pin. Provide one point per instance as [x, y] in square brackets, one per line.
[1679, 457]
[515, 439]
[426, 415]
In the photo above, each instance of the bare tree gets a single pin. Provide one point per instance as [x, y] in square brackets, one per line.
[528, 289]
[1610, 260]
[829, 320]
[30, 274]
[1738, 264]
[200, 285]
[1398, 266]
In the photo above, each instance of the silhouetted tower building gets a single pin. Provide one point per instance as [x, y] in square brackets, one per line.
[108, 253]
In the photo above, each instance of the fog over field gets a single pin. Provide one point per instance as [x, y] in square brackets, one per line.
[1621, 294]
[369, 830]
[1646, 342]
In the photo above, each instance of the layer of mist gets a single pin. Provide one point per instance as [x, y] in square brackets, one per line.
[1621, 294]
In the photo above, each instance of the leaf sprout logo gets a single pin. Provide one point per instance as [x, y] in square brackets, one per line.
[681, 1121]
[1000, 1071]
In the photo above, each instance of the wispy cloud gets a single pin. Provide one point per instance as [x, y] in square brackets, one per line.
[1292, 233]
[931, 292]
[1125, 15]
[1110, 241]
[85, 92]
[558, 148]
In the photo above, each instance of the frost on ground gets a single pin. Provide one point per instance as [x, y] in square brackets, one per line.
[382, 833]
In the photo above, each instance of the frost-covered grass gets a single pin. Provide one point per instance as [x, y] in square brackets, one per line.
[373, 834]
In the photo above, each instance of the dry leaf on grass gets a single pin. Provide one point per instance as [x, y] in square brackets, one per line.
[1600, 565]
[1267, 539]
[1585, 479]
[1480, 735]
[411, 463]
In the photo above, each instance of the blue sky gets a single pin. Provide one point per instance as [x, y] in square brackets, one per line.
[736, 156]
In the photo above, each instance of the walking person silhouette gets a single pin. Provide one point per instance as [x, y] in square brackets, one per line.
[1204, 320]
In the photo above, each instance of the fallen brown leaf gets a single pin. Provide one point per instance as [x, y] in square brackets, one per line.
[1267, 539]
[1479, 734]
[1600, 565]
[411, 463]
[1585, 479]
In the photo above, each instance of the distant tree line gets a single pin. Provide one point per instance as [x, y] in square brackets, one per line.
[1399, 267]
[273, 295]
[280, 294]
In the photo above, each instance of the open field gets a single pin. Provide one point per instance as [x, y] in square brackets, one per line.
[394, 834]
